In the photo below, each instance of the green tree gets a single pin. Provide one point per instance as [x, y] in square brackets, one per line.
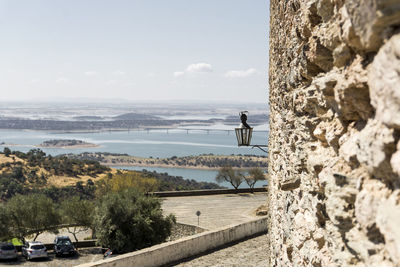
[32, 214]
[18, 173]
[130, 179]
[7, 151]
[77, 212]
[5, 223]
[254, 175]
[228, 174]
[128, 220]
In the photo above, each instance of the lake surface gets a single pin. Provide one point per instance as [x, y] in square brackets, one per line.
[154, 143]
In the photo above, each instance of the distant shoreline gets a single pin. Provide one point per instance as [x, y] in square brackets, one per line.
[52, 147]
[200, 162]
[204, 168]
[70, 147]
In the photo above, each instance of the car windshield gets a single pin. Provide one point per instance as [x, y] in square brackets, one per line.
[7, 247]
[37, 247]
[64, 242]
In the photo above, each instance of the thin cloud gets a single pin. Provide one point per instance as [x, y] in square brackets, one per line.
[90, 73]
[111, 82]
[195, 68]
[241, 73]
[199, 67]
[119, 72]
[62, 80]
[179, 73]
[35, 81]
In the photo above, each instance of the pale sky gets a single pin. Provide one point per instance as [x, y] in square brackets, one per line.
[135, 50]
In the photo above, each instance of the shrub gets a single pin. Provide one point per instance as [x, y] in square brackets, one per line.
[129, 179]
[7, 151]
[128, 220]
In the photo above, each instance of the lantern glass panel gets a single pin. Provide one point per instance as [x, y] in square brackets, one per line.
[243, 136]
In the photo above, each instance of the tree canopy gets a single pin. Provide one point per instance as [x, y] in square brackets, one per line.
[32, 214]
[128, 220]
[228, 174]
[254, 175]
[77, 212]
[124, 180]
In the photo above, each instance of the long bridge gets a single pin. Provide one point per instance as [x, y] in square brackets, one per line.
[188, 130]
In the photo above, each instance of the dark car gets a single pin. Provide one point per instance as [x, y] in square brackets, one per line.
[63, 246]
[8, 251]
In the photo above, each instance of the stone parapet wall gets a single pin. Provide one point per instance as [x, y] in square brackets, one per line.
[166, 254]
[334, 189]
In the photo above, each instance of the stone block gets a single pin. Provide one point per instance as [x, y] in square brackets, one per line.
[290, 184]
[387, 219]
[352, 93]
[371, 20]
[395, 160]
[368, 201]
[384, 81]
[371, 146]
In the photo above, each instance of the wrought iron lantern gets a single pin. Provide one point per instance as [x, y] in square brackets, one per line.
[244, 132]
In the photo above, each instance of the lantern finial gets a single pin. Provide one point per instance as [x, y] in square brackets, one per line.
[243, 118]
[244, 132]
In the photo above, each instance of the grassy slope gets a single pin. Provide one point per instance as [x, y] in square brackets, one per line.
[52, 180]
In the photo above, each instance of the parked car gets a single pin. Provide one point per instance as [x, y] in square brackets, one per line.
[33, 250]
[8, 251]
[63, 246]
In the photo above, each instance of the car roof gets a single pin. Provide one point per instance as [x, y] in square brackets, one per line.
[6, 243]
[35, 242]
[62, 237]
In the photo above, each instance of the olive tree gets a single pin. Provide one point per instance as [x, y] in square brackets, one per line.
[228, 174]
[77, 213]
[32, 214]
[122, 181]
[5, 223]
[6, 151]
[128, 220]
[254, 175]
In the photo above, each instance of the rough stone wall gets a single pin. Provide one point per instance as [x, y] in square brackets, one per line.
[334, 133]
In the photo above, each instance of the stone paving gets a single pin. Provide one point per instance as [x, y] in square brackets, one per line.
[251, 252]
[216, 210]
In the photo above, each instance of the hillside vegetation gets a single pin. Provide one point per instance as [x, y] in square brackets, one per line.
[205, 161]
[61, 177]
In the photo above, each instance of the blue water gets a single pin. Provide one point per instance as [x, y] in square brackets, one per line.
[160, 144]
[139, 143]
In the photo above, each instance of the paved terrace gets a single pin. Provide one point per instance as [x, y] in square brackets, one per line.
[216, 210]
[249, 253]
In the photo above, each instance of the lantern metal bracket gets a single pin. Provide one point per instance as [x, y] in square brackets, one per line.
[260, 147]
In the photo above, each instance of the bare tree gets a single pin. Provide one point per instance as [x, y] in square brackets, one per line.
[77, 212]
[254, 175]
[227, 174]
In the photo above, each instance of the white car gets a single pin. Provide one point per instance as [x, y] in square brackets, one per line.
[33, 250]
[8, 251]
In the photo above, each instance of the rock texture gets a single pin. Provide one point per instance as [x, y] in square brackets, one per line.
[334, 149]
